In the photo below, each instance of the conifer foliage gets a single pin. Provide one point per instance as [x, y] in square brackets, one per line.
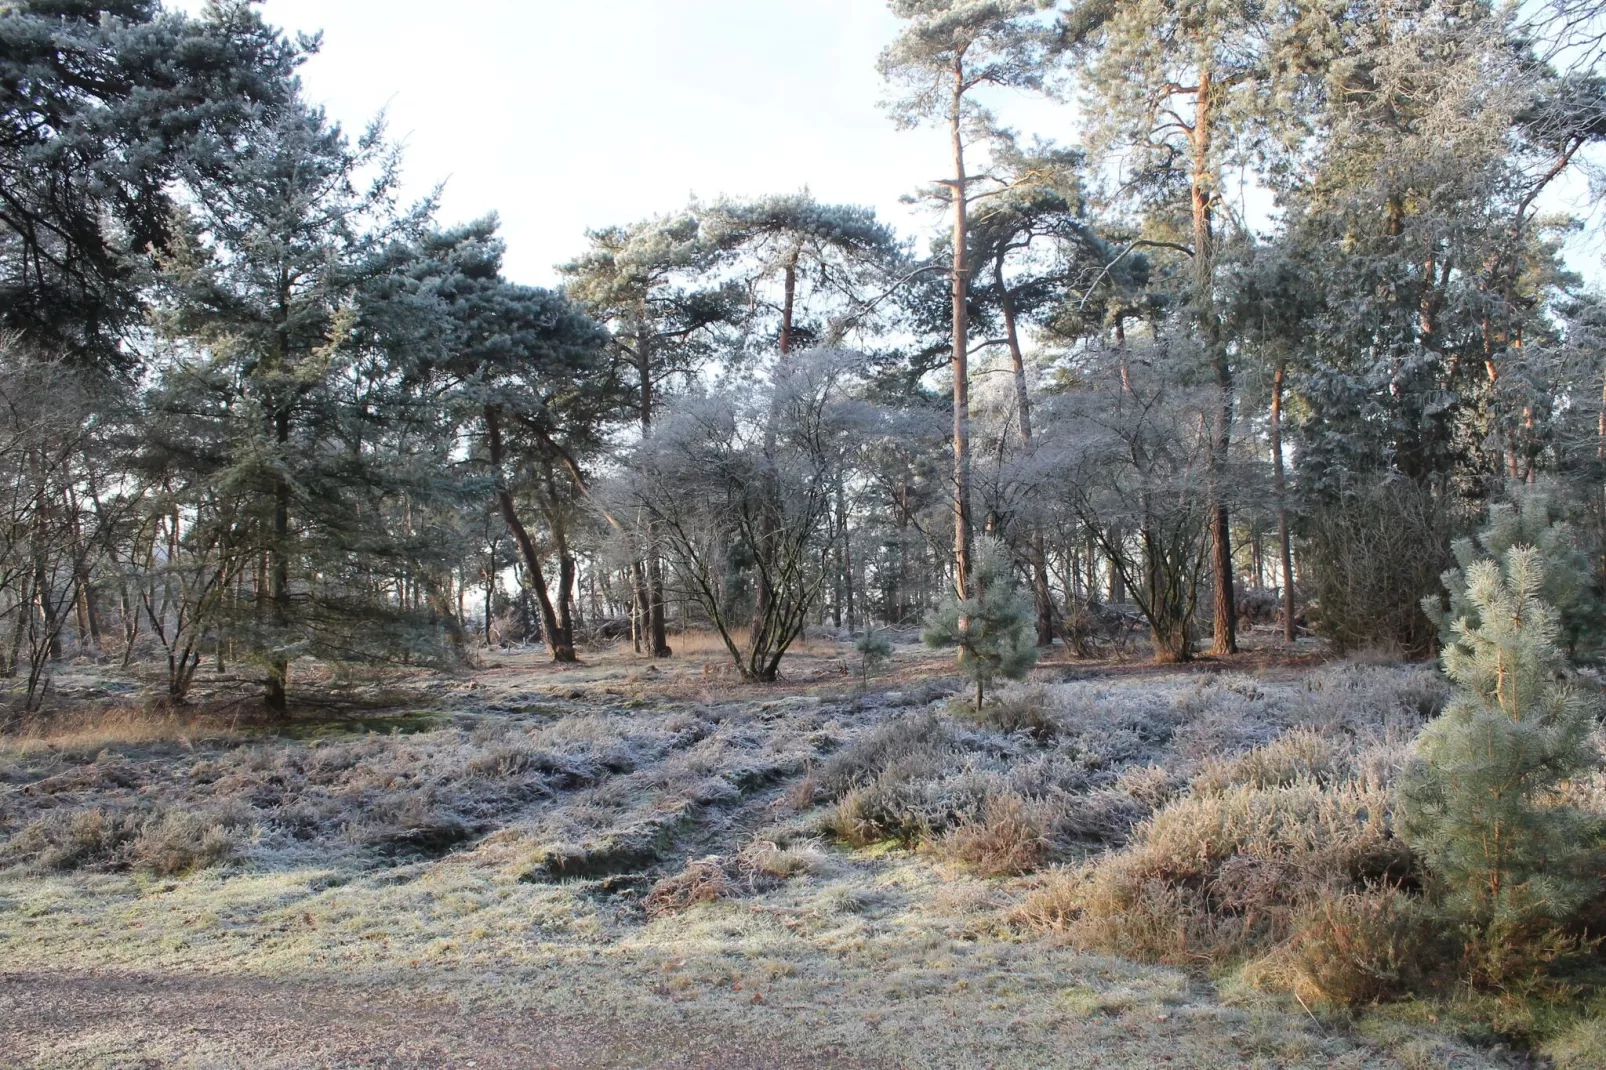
[1530, 518]
[1512, 865]
[992, 627]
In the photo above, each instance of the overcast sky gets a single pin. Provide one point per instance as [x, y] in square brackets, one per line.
[561, 116]
[564, 116]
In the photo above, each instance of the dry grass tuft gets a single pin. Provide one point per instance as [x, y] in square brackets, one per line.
[102, 839]
[1213, 877]
[1581, 1047]
[1007, 839]
[1015, 709]
[88, 730]
[766, 859]
[702, 881]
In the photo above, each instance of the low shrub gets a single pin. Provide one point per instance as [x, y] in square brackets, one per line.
[1213, 877]
[165, 842]
[1019, 709]
[1006, 839]
[180, 842]
[61, 840]
[1301, 753]
[1356, 948]
[907, 741]
[887, 809]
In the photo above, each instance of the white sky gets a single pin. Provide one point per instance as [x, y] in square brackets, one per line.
[564, 116]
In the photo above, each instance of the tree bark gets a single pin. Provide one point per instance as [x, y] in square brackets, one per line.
[1203, 203]
[768, 528]
[277, 697]
[657, 626]
[1023, 403]
[1284, 548]
[558, 642]
[961, 356]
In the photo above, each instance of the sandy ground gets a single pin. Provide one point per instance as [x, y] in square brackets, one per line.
[148, 1020]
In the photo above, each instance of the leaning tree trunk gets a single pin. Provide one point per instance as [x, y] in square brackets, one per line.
[558, 643]
[1023, 402]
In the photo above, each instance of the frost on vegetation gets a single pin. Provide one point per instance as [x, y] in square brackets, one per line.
[687, 849]
[269, 802]
[1048, 772]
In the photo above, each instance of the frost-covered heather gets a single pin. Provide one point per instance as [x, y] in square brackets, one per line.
[693, 855]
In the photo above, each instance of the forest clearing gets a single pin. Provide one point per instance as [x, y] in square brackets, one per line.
[619, 864]
[1116, 578]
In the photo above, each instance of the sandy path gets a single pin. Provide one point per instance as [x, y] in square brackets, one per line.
[144, 1021]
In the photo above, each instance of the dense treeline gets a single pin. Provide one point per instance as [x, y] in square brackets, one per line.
[1266, 330]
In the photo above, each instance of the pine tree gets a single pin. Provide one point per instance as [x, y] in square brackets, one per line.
[648, 285]
[948, 49]
[1512, 864]
[992, 627]
[265, 305]
[1530, 518]
[874, 649]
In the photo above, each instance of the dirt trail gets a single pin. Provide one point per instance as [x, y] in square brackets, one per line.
[135, 1021]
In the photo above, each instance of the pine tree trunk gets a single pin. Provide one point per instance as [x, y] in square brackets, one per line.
[657, 630]
[556, 639]
[769, 528]
[961, 356]
[1023, 404]
[1284, 547]
[277, 697]
[1203, 199]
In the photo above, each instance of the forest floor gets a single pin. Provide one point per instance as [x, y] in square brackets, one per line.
[619, 863]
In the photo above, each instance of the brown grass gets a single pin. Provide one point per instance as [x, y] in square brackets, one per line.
[702, 881]
[1216, 877]
[1006, 840]
[90, 729]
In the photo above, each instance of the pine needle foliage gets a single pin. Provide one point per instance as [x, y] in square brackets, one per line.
[874, 650]
[1530, 518]
[1511, 866]
[993, 628]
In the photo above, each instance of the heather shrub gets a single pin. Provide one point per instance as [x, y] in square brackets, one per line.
[1006, 839]
[917, 741]
[180, 842]
[1358, 947]
[1017, 709]
[165, 842]
[60, 840]
[911, 801]
[1218, 875]
[1298, 754]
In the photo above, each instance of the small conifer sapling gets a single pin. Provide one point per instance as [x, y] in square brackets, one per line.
[1513, 865]
[992, 627]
